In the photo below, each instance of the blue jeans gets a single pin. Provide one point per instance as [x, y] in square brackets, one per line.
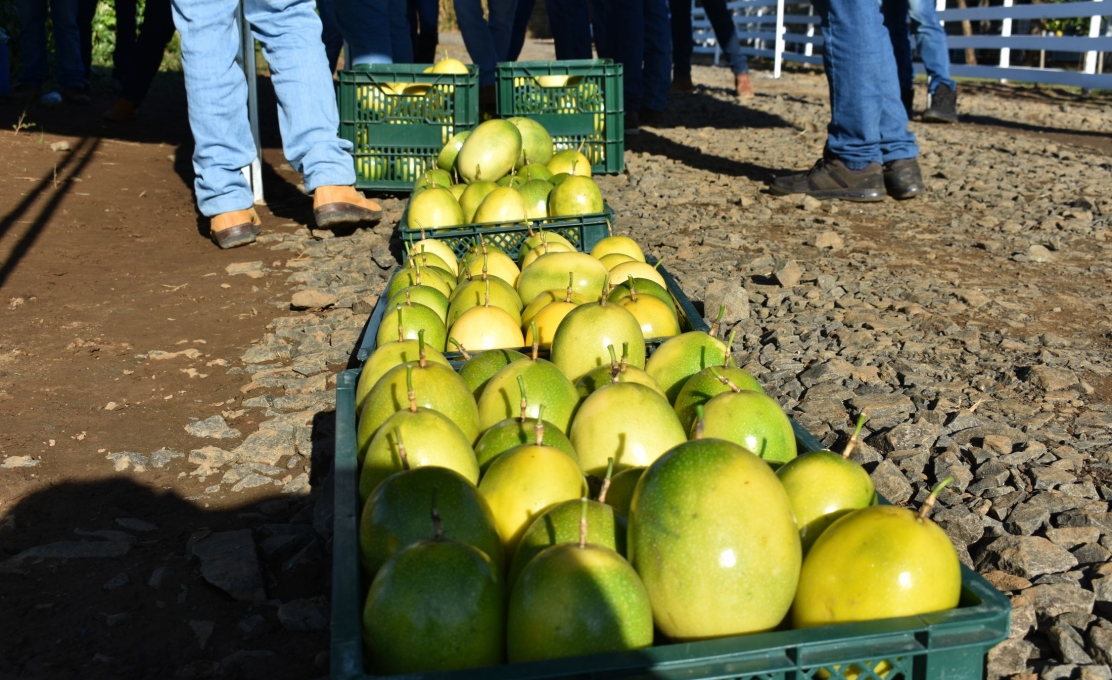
[570, 21]
[930, 37]
[868, 123]
[522, 15]
[638, 34]
[487, 40]
[377, 31]
[725, 33]
[217, 93]
[424, 32]
[330, 33]
[67, 42]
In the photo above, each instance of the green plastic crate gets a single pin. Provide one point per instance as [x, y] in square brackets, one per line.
[587, 113]
[949, 645]
[583, 232]
[688, 316]
[396, 137]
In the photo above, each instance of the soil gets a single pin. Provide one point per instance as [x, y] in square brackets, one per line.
[104, 260]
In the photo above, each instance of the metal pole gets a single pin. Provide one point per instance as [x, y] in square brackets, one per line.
[1006, 32]
[254, 172]
[1094, 32]
[808, 48]
[779, 45]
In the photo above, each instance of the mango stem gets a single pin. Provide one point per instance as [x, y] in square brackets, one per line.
[853, 440]
[524, 400]
[724, 380]
[421, 348]
[538, 429]
[410, 394]
[929, 503]
[401, 448]
[699, 422]
[461, 348]
[606, 481]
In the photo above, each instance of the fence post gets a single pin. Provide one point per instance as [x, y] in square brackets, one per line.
[1094, 32]
[254, 172]
[778, 46]
[809, 49]
[1006, 32]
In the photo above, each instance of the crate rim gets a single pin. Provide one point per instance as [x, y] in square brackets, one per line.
[769, 652]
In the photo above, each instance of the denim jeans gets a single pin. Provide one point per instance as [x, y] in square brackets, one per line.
[377, 31]
[725, 33]
[67, 42]
[638, 34]
[424, 33]
[522, 15]
[330, 33]
[570, 21]
[487, 40]
[217, 93]
[930, 38]
[868, 123]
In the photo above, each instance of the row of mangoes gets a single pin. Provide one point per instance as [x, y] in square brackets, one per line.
[480, 542]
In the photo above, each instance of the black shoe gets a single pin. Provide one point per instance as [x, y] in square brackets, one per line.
[903, 179]
[908, 98]
[832, 179]
[75, 95]
[943, 106]
[650, 118]
[632, 124]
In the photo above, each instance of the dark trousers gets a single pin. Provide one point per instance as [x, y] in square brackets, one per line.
[86, 10]
[157, 30]
[423, 18]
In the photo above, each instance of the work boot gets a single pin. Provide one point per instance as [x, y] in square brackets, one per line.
[682, 84]
[236, 228]
[903, 179]
[743, 87]
[832, 179]
[122, 111]
[333, 205]
[943, 106]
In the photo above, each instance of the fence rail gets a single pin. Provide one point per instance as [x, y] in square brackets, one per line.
[763, 28]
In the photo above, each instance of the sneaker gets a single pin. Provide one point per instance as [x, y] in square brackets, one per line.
[903, 179]
[632, 124]
[682, 84]
[743, 87]
[943, 106]
[75, 95]
[832, 179]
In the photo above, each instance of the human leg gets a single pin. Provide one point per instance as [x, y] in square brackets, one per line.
[570, 21]
[625, 40]
[725, 32]
[330, 33]
[682, 44]
[521, 23]
[67, 44]
[895, 22]
[157, 31]
[930, 38]
[32, 42]
[486, 40]
[500, 19]
[657, 71]
[366, 25]
[86, 12]
[124, 53]
[216, 91]
[424, 32]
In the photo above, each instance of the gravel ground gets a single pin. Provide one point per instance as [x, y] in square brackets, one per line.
[974, 325]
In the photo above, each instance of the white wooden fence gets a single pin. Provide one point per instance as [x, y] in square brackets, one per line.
[788, 31]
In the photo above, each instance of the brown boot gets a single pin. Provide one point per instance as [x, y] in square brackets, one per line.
[682, 84]
[122, 111]
[334, 205]
[236, 228]
[743, 86]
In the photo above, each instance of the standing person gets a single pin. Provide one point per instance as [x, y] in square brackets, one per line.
[637, 33]
[330, 33]
[86, 12]
[307, 116]
[487, 39]
[157, 31]
[725, 32]
[377, 31]
[570, 22]
[424, 17]
[934, 50]
[522, 14]
[67, 48]
[869, 149]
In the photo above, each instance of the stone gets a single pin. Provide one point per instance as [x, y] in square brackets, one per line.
[883, 407]
[267, 446]
[1027, 518]
[301, 615]
[1005, 581]
[65, 550]
[135, 524]
[729, 294]
[252, 481]
[253, 270]
[1102, 589]
[1024, 616]
[961, 525]
[1051, 379]
[313, 299]
[1054, 599]
[212, 428]
[919, 434]
[1008, 658]
[1039, 253]
[1068, 643]
[891, 483]
[159, 576]
[973, 297]
[298, 486]
[162, 457]
[829, 239]
[251, 626]
[1095, 672]
[202, 630]
[122, 460]
[229, 562]
[788, 274]
[950, 464]
[997, 443]
[19, 462]
[60, 146]
[1026, 556]
[116, 582]
[1100, 645]
[1071, 537]
[212, 457]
